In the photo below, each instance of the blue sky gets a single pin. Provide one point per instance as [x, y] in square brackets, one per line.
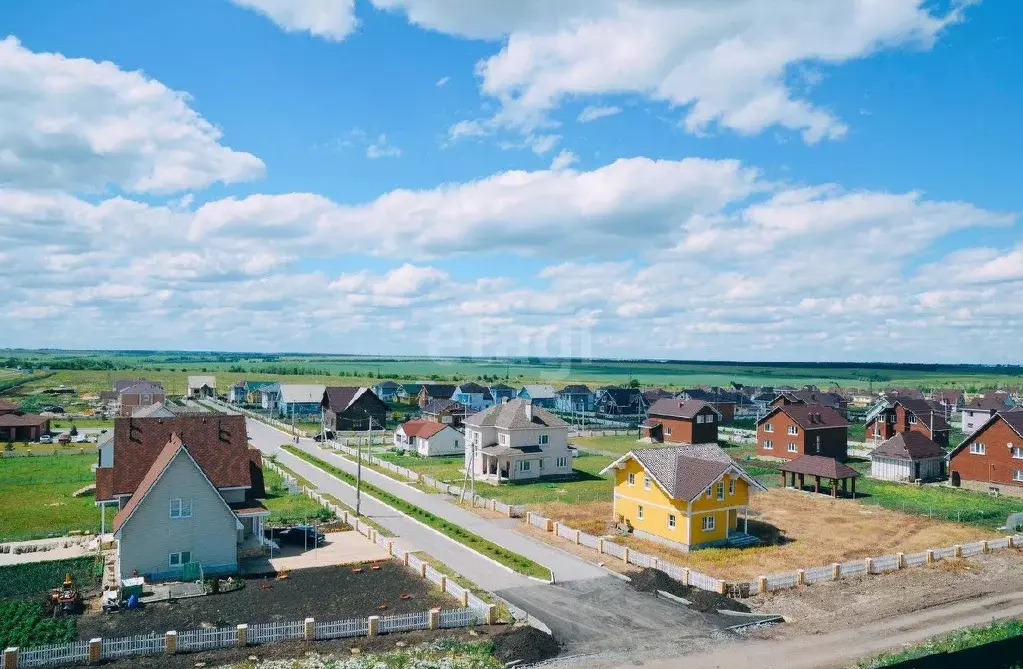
[759, 180]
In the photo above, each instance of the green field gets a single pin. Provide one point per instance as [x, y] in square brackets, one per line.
[35, 496]
[616, 446]
[287, 508]
[949, 643]
[31, 579]
[22, 624]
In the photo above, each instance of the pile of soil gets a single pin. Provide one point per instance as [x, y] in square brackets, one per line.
[526, 644]
[652, 580]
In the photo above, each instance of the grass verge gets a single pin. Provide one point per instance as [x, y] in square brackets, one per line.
[36, 496]
[501, 612]
[949, 643]
[514, 561]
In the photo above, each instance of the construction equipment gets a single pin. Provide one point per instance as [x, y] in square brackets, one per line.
[65, 600]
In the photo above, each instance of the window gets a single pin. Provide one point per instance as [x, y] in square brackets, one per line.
[721, 491]
[524, 465]
[978, 449]
[646, 483]
[639, 512]
[792, 447]
[1017, 451]
[502, 439]
[180, 508]
[708, 524]
[671, 521]
[710, 418]
[562, 462]
[632, 478]
[912, 419]
[793, 430]
[699, 419]
[178, 559]
[768, 427]
[1017, 474]
[667, 431]
[768, 445]
[544, 439]
[731, 487]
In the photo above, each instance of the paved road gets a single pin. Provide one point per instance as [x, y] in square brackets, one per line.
[588, 611]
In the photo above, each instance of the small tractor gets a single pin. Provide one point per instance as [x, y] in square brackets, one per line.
[65, 600]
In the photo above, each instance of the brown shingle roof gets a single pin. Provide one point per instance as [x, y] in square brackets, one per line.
[218, 442]
[924, 413]
[819, 465]
[987, 403]
[339, 398]
[153, 474]
[687, 470]
[909, 446]
[672, 408]
[810, 416]
[7, 405]
[22, 420]
[104, 483]
[513, 415]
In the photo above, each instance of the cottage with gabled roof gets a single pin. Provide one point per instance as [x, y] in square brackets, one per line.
[435, 391]
[991, 459]
[539, 394]
[516, 441]
[574, 398]
[981, 409]
[686, 496]
[448, 412]
[352, 408]
[892, 416]
[613, 401]
[202, 387]
[299, 400]
[187, 490]
[681, 422]
[789, 431]
[908, 456]
[429, 438]
[473, 396]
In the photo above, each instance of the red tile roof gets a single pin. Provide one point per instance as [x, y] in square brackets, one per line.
[810, 416]
[156, 470]
[22, 420]
[672, 408]
[422, 428]
[104, 483]
[217, 442]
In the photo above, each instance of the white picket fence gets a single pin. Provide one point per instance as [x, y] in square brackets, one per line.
[404, 622]
[55, 655]
[205, 639]
[276, 631]
[339, 629]
[142, 644]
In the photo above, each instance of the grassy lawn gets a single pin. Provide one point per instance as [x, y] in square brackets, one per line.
[35, 496]
[616, 446]
[949, 643]
[287, 508]
[66, 423]
[477, 543]
[938, 501]
[63, 449]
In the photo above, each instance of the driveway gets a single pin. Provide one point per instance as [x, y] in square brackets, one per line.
[588, 611]
[338, 548]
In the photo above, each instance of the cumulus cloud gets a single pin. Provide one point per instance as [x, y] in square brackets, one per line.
[381, 148]
[77, 124]
[331, 19]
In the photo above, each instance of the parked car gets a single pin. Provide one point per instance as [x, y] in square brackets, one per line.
[300, 535]
[326, 435]
[64, 438]
[46, 439]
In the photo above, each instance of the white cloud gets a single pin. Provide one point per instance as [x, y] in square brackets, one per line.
[331, 19]
[443, 81]
[382, 149]
[78, 124]
[726, 63]
[563, 160]
[595, 112]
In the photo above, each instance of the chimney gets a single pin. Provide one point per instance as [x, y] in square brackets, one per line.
[529, 412]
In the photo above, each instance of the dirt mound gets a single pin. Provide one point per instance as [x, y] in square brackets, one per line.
[652, 580]
[525, 644]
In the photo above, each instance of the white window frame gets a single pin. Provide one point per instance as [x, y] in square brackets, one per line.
[721, 490]
[912, 419]
[768, 427]
[792, 447]
[768, 445]
[671, 521]
[977, 448]
[708, 523]
[562, 461]
[1017, 451]
[646, 482]
[544, 439]
[731, 486]
[524, 465]
[181, 561]
[502, 439]
[709, 418]
[183, 510]
[1017, 475]
[667, 431]
[632, 478]
[639, 512]
[793, 430]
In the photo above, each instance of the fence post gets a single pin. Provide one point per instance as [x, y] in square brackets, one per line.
[509, 512]
[404, 558]
[549, 525]
[11, 657]
[983, 546]
[309, 629]
[657, 563]
[685, 575]
[557, 529]
[1010, 541]
[433, 619]
[577, 542]
[488, 617]
[900, 560]
[422, 569]
[800, 577]
[94, 650]
[390, 548]
[958, 550]
[625, 554]
[170, 642]
[930, 556]
[869, 564]
[465, 598]
[836, 571]
[242, 639]
[762, 585]
[600, 546]
[371, 625]
[443, 583]
[721, 587]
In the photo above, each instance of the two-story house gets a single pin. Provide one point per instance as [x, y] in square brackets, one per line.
[434, 391]
[539, 394]
[501, 392]
[808, 396]
[892, 416]
[991, 459]
[681, 422]
[448, 412]
[352, 408]
[686, 496]
[980, 410]
[202, 387]
[387, 390]
[186, 490]
[791, 430]
[299, 401]
[137, 396]
[612, 401]
[724, 402]
[516, 441]
[574, 398]
[473, 396]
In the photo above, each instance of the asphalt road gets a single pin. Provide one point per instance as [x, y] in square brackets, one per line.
[588, 611]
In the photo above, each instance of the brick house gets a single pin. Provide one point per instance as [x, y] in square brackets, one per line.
[434, 391]
[448, 412]
[792, 430]
[352, 408]
[17, 426]
[138, 395]
[981, 409]
[991, 459]
[681, 422]
[892, 416]
[806, 396]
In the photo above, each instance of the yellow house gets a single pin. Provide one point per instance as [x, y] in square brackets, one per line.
[686, 496]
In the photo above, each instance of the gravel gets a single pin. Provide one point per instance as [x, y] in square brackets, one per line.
[652, 580]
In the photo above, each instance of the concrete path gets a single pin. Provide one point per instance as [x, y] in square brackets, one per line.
[589, 612]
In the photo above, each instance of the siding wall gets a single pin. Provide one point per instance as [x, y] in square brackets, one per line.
[148, 538]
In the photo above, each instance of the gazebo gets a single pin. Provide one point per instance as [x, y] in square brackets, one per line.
[820, 467]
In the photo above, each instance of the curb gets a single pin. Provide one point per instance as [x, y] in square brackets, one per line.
[675, 598]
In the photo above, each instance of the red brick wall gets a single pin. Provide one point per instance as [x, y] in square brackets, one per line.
[997, 465]
[902, 424]
[833, 441]
[687, 431]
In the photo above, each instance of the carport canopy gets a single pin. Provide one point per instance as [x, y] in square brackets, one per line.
[820, 467]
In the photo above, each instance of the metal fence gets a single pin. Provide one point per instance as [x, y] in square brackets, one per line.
[703, 581]
[142, 644]
[204, 639]
[404, 622]
[537, 520]
[642, 559]
[338, 629]
[277, 631]
[566, 532]
[52, 656]
[589, 540]
[818, 574]
[457, 618]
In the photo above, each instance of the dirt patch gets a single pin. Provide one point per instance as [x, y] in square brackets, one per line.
[591, 517]
[326, 593]
[652, 580]
[525, 644]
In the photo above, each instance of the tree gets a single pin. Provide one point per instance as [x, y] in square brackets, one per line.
[634, 383]
[74, 430]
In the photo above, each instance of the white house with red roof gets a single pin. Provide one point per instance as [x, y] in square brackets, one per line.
[428, 438]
